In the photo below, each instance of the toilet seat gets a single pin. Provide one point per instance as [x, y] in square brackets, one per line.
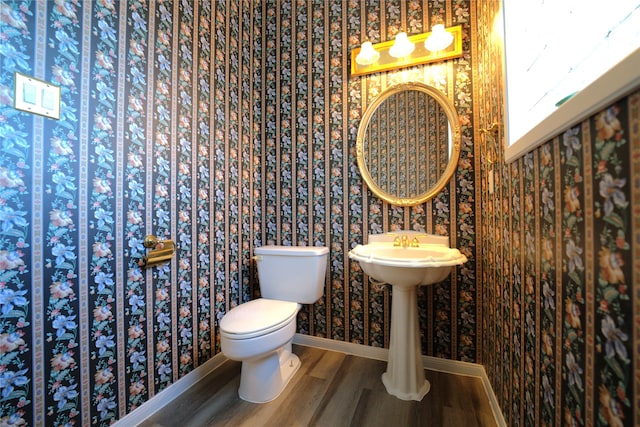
[257, 317]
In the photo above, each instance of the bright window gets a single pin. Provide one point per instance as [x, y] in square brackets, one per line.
[558, 48]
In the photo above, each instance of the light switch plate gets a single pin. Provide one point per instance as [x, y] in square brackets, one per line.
[36, 96]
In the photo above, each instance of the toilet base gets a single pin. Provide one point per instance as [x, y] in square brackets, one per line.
[263, 379]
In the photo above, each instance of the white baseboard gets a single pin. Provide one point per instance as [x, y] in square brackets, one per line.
[166, 396]
[376, 353]
[433, 363]
[170, 393]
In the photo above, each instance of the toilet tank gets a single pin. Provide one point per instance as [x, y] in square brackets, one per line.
[292, 273]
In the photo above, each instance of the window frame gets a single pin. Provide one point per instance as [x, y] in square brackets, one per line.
[616, 83]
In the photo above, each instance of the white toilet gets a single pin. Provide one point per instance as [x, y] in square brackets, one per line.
[259, 332]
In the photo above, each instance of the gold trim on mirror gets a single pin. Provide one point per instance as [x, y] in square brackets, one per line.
[388, 185]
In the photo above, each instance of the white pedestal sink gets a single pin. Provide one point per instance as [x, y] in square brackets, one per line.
[405, 265]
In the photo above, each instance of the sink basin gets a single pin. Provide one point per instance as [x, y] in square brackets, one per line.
[426, 264]
[405, 268]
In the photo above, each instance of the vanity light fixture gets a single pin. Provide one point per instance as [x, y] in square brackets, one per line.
[439, 39]
[402, 46]
[405, 51]
[368, 55]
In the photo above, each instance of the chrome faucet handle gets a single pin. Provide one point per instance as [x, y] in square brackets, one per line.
[415, 243]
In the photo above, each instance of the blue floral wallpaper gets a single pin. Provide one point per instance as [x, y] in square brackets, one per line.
[222, 126]
[313, 191]
[561, 247]
[152, 139]
[227, 125]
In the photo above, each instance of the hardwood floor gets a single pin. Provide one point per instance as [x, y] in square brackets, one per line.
[330, 389]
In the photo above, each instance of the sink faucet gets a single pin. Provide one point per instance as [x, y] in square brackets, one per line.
[404, 242]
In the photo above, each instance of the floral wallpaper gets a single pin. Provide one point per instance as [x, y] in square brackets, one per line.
[222, 126]
[229, 125]
[314, 192]
[152, 139]
[447, 311]
[560, 239]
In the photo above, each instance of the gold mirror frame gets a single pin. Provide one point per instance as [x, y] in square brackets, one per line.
[454, 124]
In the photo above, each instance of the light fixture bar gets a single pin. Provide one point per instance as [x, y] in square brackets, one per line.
[420, 54]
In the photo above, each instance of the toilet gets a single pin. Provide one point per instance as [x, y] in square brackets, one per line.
[259, 333]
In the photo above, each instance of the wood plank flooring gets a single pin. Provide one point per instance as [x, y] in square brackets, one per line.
[330, 389]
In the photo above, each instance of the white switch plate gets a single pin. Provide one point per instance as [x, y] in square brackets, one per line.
[37, 96]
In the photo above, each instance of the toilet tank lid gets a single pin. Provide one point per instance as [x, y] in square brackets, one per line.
[291, 250]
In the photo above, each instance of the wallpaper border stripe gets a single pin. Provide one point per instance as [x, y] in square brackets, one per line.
[37, 281]
[477, 167]
[589, 269]
[195, 51]
[558, 279]
[537, 284]
[520, 163]
[120, 291]
[83, 209]
[37, 251]
[174, 184]
[278, 135]
[293, 128]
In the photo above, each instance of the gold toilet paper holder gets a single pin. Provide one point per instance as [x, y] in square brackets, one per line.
[158, 251]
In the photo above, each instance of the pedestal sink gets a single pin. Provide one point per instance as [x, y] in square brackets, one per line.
[406, 260]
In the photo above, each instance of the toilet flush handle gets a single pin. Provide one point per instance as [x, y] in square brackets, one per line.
[257, 258]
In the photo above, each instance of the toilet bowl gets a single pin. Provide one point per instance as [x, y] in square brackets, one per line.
[263, 344]
[259, 333]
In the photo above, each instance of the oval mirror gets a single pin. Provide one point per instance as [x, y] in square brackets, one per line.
[408, 143]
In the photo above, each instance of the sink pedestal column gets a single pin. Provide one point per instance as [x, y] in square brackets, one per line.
[404, 377]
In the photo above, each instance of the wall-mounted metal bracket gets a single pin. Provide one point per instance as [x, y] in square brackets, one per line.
[489, 147]
[158, 251]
